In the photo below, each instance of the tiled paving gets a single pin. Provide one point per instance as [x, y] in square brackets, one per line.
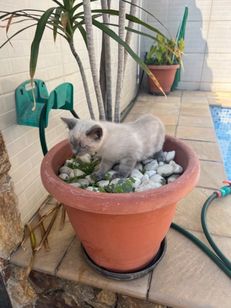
[185, 277]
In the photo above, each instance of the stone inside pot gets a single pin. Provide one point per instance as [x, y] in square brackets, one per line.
[147, 174]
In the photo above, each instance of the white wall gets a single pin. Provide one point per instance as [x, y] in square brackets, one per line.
[55, 66]
[207, 60]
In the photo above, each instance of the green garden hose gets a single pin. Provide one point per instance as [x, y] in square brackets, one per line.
[218, 257]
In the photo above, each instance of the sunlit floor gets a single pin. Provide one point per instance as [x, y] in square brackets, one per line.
[185, 277]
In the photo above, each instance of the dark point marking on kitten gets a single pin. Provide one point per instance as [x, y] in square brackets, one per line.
[69, 122]
[95, 132]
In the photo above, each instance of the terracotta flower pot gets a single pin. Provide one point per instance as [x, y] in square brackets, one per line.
[121, 232]
[165, 74]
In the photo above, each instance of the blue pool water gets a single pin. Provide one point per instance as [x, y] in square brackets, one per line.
[222, 123]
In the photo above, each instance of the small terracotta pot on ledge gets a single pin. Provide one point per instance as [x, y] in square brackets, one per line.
[121, 232]
[165, 74]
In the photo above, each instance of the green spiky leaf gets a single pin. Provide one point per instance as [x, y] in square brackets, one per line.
[37, 39]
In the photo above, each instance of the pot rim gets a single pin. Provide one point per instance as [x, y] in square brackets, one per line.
[120, 203]
[164, 67]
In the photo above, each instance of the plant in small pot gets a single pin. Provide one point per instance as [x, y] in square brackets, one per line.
[163, 60]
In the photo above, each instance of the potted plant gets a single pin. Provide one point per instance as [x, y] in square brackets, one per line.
[121, 232]
[163, 60]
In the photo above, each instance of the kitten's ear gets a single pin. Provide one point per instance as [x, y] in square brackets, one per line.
[95, 132]
[69, 122]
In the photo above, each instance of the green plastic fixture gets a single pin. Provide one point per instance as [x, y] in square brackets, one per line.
[180, 35]
[60, 98]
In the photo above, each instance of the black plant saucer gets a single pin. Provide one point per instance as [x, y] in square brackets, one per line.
[129, 275]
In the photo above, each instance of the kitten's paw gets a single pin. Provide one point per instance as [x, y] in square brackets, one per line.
[118, 175]
[159, 156]
[97, 176]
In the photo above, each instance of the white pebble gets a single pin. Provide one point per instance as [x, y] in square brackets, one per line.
[153, 165]
[78, 172]
[176, 168]
[75, 184]
[69, 161]
[161, 163]
[165, 170]
[158, 179]
[86, 158]
[150, 173]
[72, 174]
[136, 174]
[90, 179]
[103, 183]
[115, 181]
[148, 185]
[170, 156]
[91, 188]
[64, 176]
[83, 182]
[136, 183]
[65, 169]
[172, 178]
[145, 178]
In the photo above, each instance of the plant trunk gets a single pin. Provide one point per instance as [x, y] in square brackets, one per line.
[133, 10]
[84, 79]
[92, 57]
[102, 77]
[106, 65]
[122, 15]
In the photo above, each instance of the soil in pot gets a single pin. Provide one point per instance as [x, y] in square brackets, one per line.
[165, 74]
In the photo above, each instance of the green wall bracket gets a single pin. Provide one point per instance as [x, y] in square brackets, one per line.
[60, 98]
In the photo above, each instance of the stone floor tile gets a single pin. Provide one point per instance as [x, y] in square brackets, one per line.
[195, 121]
[188, 212]
[157, 108]
[221, 100]
[177, 93]
[167, 119]
[212, 174]
[206, 150]
[174, 100]
[195, 110]
[195, 93]
[131, 117]
[195, 101]
[47, 261]
[186, 277]
[74, 267]
[170, 130]
[196, 133]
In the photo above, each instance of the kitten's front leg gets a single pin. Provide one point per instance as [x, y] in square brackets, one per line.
[104, 166]
[125, 168]
[159, 156]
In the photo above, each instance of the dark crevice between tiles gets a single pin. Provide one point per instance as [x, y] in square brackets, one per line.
[64, 254]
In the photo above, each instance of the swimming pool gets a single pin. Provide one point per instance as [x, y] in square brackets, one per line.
[222, 123]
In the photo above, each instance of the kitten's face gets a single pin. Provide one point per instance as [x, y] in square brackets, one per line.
[83, 140]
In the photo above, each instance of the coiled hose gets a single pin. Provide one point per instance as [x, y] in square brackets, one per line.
[217, 256]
